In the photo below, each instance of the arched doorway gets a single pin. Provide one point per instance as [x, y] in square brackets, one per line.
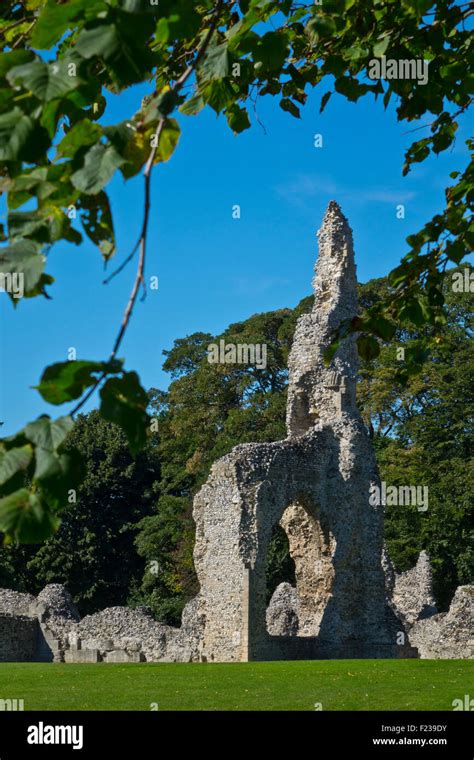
[307, 567]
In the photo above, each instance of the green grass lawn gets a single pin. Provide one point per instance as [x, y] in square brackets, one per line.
[336, 684]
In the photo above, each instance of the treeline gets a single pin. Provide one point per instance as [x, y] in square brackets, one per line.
[129, 538]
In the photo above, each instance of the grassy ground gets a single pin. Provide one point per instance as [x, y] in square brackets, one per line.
[336, 684]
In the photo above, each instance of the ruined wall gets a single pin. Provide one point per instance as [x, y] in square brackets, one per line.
[412, 592]
[316, 484]
[18, 638]
[448, 635]
[15, 602]
[249, 492]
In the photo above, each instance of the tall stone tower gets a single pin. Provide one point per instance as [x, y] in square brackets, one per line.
[316, 485]
[317, 393]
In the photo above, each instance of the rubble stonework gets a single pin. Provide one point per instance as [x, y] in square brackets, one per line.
[57, 602]
[316, 484]
[15, 602]
[448, 635]
[18, 638]
[282, 612]
[412, 592]
[317, 393]
[347, 602]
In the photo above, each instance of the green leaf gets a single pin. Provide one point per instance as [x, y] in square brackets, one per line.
[124, 402]
[136, 6]
[66, 381]
[419, 7]
[182, 23]
[435, 297]
[160, 106]
[100, 164]
[168, 140]
[193, 106]
[103, 41]
[15, 130]
[24, 519]
[350, 87]
[82, 134]
[411, 311]
[381, 46]
[119, 135]
[287, 105]
[444, 137]
[237, 118]
[272, 50]
[57, 18]
[96, 218]
[367, 347]
[320, 27]
[46, 225]
[47, 81]
[215, 64]
[24, 224]
[24, 260]
[14, 461]
[48, 464]
[13, 58]
[47, 433]
[324, 101]
[382, 327]
[39, 289]
[455, 251]
[48, 436]
[219, 94]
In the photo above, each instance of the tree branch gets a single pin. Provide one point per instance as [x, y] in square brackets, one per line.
[139, 277]
[23, 36]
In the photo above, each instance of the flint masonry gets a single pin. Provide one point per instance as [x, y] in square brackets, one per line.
[316, 484]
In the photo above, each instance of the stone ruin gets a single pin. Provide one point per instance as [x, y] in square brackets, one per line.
[316, 485]
[348, 601]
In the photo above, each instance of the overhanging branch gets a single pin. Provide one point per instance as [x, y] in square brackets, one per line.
[142, 243]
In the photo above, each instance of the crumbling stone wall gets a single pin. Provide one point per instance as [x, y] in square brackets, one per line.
[448, 635]
[15, 603]
[18, 638]
[445, 635]
[52, 631]
[247, 493]
[316, 484]
[412, 592]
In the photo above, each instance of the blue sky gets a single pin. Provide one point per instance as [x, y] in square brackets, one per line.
[213, 269]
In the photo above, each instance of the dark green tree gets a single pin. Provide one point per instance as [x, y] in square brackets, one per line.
[93, 551]
[423, 428]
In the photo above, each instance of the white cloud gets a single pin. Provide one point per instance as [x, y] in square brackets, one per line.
[301, 187]
[257, 284]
